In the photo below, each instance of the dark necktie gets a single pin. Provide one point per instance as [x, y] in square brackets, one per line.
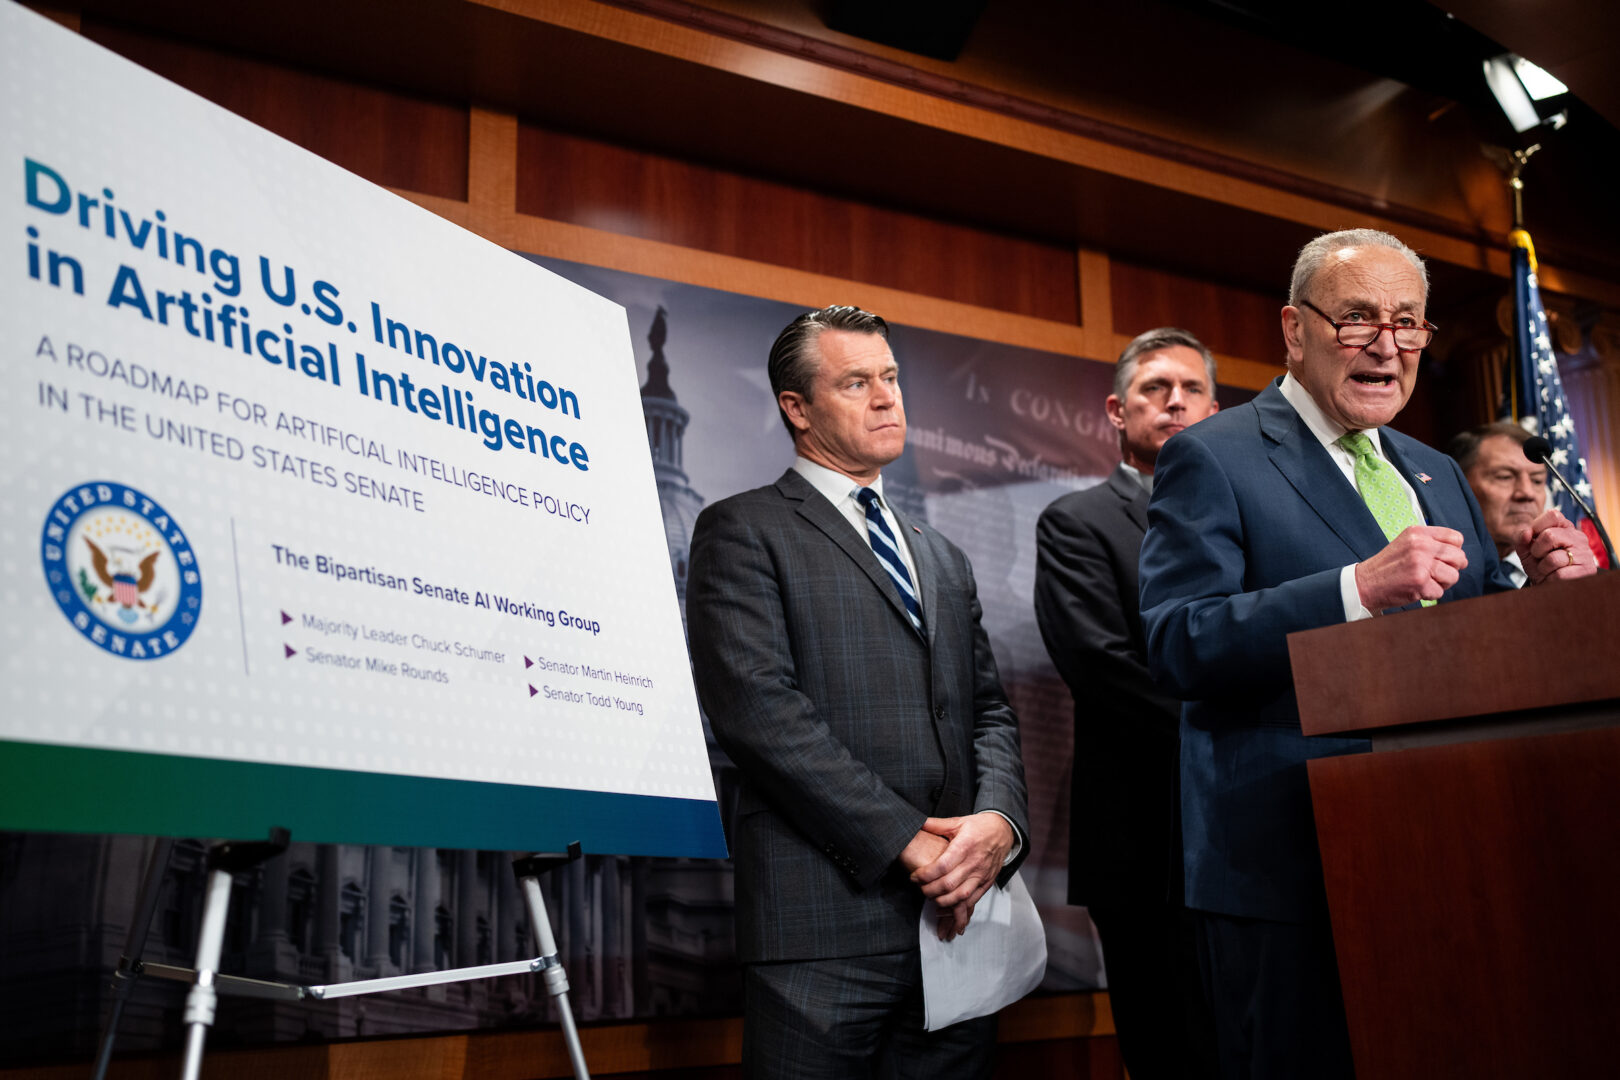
[887, 549]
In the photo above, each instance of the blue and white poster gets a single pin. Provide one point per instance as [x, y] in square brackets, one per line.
[319, 511]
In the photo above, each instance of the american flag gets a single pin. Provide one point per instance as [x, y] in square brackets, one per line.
[1536, 399]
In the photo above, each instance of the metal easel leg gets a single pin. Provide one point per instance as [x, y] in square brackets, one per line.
[202, 998]
[223, 861]
[528, 872]
[129, 964]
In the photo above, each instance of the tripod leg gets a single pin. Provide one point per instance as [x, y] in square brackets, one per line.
[202, 998]
[140, 924]
[552, 971]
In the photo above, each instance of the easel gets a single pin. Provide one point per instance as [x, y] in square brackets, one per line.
[233, 857]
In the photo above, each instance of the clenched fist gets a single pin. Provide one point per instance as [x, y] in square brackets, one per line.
[1420, 564]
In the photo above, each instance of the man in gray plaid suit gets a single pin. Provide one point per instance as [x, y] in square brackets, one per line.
[839, 656]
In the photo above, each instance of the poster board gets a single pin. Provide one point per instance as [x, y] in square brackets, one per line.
[318, 510]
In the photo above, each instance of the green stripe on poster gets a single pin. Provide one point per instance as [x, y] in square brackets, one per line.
[46, 788]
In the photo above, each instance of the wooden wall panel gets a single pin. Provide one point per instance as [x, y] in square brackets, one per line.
[587, 182]
[1229, 320]
[389, 138]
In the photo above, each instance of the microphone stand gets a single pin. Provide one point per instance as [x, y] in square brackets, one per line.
[1536, 450]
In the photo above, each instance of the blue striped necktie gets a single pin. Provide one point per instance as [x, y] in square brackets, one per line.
[887, 549]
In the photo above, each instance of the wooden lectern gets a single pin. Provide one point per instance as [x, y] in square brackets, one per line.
[1472, 859]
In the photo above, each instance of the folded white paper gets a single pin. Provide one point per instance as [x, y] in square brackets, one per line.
[997, 960]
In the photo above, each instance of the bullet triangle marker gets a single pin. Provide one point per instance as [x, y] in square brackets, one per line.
[291, 652]
[532, 690]
[285, 618]
[527, 662]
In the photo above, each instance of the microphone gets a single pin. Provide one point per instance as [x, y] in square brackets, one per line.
[1539, 450]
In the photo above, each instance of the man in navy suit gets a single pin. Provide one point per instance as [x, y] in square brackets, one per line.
[1123, 830]
[838, 652]
[1297, 510]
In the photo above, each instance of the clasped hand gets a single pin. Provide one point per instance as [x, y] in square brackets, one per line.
[955, 861]
[1551, 548]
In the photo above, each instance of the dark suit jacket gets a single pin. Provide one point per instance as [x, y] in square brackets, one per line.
[1122, 810]
[1248, 527]
[849, 727]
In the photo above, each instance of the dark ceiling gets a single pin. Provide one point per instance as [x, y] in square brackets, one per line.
[1382, 99]
[1429, 48]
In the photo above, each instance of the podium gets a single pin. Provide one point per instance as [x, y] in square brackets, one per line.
[1472, 859]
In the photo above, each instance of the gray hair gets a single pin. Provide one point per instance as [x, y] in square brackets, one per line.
[1163, 337]
[1317, 252]
[1465, 446]
[795, 359]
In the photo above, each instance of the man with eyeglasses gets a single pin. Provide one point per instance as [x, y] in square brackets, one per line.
[1297, 510]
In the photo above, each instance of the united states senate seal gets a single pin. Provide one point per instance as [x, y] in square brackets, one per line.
[121, 570]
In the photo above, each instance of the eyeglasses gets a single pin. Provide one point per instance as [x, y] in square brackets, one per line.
[1358, 335]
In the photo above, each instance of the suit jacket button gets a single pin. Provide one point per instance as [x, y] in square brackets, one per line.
[935, 793]
[939, 712]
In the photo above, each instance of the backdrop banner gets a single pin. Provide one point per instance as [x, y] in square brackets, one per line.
[994, 433]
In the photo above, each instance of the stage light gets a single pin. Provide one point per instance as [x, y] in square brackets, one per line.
[1537, 81]
[1517, 85]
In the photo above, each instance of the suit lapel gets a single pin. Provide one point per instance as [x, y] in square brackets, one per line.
[825, 516]
[1396, 458]
[1307, 466]
[1133, 500]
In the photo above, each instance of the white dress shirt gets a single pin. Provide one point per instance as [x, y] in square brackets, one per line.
[840, 490]
[1328, 434]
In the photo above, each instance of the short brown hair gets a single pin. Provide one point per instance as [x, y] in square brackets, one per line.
[1163, 337]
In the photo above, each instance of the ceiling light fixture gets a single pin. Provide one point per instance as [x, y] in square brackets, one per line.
[1517, 85]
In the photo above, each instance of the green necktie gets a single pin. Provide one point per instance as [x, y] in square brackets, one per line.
[1381, 488]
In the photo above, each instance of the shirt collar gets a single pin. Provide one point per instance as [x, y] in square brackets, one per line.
[1142, 479]
[834, 486]
[1326, 430]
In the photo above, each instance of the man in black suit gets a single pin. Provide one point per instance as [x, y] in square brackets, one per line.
[1124, 845]
[838, 652]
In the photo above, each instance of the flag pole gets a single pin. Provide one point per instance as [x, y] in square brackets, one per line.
[1519, 159]
[1514, 162]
